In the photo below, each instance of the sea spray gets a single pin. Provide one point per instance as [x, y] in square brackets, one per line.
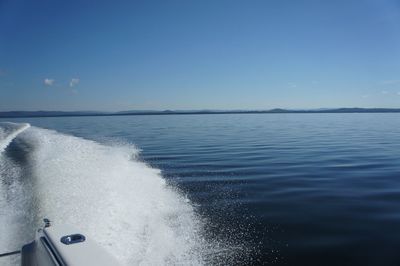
[124, 204]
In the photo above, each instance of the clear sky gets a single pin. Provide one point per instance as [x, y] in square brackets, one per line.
[186, 54]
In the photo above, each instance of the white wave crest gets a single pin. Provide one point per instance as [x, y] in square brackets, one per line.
[8, 131]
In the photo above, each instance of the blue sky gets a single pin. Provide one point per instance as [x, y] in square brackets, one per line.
[186, 54]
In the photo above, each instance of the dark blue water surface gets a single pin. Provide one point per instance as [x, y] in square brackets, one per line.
[298, 189]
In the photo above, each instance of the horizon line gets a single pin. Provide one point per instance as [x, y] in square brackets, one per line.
[206, 109]
[42, 113]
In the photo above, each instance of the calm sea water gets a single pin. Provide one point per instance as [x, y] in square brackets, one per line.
[291, 189]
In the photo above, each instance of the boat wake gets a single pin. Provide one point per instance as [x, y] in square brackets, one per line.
[8, 131]
[105, 190]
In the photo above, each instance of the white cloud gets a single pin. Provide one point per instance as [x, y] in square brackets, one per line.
[48, 82]
[74, 82]
[292, 84]
[384, 92]
[391, 82]
[365, 96]
[398, 93]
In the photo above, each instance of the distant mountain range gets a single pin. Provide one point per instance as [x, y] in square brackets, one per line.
[11, 114]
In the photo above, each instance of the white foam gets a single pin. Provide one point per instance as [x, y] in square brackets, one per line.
[8, 131]
[123, 203]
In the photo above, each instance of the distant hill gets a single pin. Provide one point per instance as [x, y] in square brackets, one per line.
[13, 114]
[48, 113]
